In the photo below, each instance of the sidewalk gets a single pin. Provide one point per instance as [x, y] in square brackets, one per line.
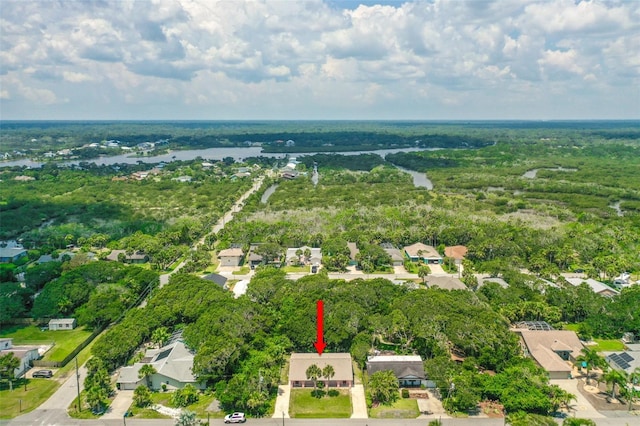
[282, 402]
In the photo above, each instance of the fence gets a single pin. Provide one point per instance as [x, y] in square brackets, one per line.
[65, 361]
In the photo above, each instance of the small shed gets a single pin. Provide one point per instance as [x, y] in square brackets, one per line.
[62, 324]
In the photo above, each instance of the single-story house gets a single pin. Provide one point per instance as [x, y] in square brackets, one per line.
[341, 363]
[353, 252]
[62, 324]
[25, 353]
[293, 258]
[553, 350]
[231, 256]
[137, 257]
[485, 280]
[397, 258]
[597, 287]
[11, 254]
[254, 259]
[173, 364]
[218, 279]
[456, 252]
[445, 282]
[409, 369]
[418, 251]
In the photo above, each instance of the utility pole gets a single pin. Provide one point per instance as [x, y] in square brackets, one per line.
[283, 418]
[78, 384]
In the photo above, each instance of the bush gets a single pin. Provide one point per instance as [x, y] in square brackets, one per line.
[405, 393]
[185, 396]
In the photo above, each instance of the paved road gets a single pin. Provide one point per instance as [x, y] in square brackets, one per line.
[226, 218]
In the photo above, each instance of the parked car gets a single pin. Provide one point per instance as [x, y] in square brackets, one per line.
[235, 418]
[42, 373]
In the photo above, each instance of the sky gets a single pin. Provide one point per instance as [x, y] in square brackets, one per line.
[319, 60]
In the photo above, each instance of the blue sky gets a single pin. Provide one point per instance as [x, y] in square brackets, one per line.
[315, 59]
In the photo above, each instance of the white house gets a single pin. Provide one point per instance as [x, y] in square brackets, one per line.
[24, 353]
[173, 364]
[293, 258]
[62, 324]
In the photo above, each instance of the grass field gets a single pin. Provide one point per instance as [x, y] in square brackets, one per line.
[303, 405]
[38, 390]
[403, 408]
[65, 341]
[604, 345]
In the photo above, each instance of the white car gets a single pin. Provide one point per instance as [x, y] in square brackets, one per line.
[235, 418]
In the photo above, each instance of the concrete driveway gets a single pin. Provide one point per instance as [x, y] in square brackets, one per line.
[582, 406]
[282, 402]
[358, 403]
[119, 405]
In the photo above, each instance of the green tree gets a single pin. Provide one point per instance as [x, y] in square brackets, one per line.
[615, 378]
[328, 372]
[573, 421]
[160, 336]
[313, 373]
[142, 396]
[521, 418]
[186, 396]
[592, 360]
[146, 371]
[423, 272]
[8, 364]
[97, 385]
[383, 387]
[187, 418]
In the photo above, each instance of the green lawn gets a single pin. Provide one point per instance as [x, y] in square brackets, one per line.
[297, 269]
[403, 408]
[303, 405]
[65, 341]
[164, 398]
[38, 390]
[604, 345]
[242, 271]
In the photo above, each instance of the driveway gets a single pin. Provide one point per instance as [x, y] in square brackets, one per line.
[282, 402]
[119, 405]
[582, 407]
[358, 403]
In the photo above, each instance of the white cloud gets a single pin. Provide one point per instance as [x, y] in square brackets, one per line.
[245, 59]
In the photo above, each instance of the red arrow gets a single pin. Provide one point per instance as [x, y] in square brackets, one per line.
[319, 343]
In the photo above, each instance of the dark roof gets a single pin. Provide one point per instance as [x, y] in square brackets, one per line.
[216, 278]
[402, 366]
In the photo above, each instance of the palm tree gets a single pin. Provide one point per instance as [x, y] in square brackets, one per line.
[591, 359]
[146, 371]
[313, 373]
[615, 377]
[328, 372]
[160, 336]
[423, 272]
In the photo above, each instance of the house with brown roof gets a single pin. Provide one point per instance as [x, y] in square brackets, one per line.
[231, 256]
[341, 363]
[553, 350]
[456, 252]
[418, 251]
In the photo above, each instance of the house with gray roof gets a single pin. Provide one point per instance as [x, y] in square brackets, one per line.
[11, 254]
[25, 353]
[397, 258]
[56, 324]
[597, 287]
[293, 258]
[173, 364]
[408, 369]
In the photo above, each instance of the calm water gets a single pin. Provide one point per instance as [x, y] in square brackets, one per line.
[420, 180]
[238, 154]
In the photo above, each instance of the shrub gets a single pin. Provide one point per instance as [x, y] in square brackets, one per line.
[185, 396]
[405, 393]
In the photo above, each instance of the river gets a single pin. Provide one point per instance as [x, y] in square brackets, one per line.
[420, 180]
[238, 154]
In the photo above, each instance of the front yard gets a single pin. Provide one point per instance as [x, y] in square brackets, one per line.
[164, 398]
[334, 404]
[403, 408]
